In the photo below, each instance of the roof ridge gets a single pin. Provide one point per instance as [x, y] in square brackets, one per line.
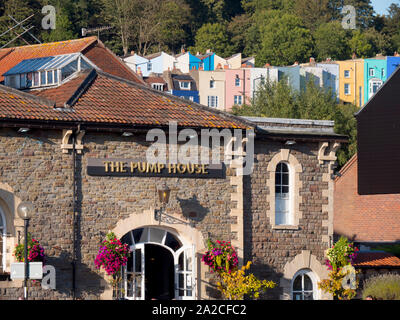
[52, 43]
[41, 100]
[170, 96]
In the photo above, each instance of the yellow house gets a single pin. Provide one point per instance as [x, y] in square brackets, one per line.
[351, 81]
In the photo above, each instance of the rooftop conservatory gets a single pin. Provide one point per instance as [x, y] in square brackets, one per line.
[47, 71]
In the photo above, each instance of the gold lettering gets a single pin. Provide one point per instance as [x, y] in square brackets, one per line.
[203, 169]
[160, 167]
[122, 167]
[190, 168]
[142, 166]
[152, 168]
[198, 168]
[171, 168]
[106, 165]
[114, 166]
[133, 166]
[181, 168]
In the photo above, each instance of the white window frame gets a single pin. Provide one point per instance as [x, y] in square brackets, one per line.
[371, 72]
[288, 220]
[347, 74]
[347, 86]
[212, 101]
[238, 100]
[182, 87]
[314, 281]
[371, 85]
[158, 86]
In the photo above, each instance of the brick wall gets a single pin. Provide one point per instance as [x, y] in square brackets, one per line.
[367, 218]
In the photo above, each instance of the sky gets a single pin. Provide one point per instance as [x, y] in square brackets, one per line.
[381, 6]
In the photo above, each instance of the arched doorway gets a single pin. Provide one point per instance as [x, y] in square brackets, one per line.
[159, 267]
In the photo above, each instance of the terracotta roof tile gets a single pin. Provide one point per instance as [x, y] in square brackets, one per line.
[90, 47]
[376, 259]
[111, 100]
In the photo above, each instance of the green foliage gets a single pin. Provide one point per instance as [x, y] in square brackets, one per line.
[284, 40]
[359, 45]
[390, 248]
[214, 36]
[330, 42]
[279, 100]
[382, 287]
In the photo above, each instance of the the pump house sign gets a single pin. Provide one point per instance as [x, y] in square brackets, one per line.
[142, 168]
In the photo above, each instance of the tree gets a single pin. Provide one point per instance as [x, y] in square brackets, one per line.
[63, 30]
[330, 42]
[360, 45]
[214, 36]
[313, 12]
[279, 100]
[284, 40]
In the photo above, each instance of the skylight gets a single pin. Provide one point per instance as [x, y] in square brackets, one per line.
[47, 71]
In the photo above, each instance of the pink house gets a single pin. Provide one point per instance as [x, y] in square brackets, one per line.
[237, 87]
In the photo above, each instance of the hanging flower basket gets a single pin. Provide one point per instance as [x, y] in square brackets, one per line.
[220, 257]
[35, 251]
[112, 256]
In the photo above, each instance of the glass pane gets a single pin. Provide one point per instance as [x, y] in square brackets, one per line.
[137, 234]
[156, 235]
[284, 167]
[279, 167]
[127, 239]
[138, 285]
[278, 178]
[285, 189]
[36, 79]
[85, 65]
[129, 265]
[138, 260]
[144, 236]
[297, 296]
[69, 69]
[22, 80]
[1, 222]
[307, 283]
[55, 76]
[278, 189]
[172, 242]
[49, 77]
[129, 285]
[297, 285]
[180, 262]
[188, 260]
[285, 179]
[43, 77]
[29, 80]
[308, 296]
[180, 284]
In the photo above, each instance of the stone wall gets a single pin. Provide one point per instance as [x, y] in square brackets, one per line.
[35, 169]
[272, 249]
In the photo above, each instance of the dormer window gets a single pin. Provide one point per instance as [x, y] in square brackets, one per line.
[184, 85]
[47, 71]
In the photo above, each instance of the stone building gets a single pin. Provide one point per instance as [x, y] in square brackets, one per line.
[78, 152]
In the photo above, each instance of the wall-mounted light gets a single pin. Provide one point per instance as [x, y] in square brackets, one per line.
[23, 130]
[163, 195]
[290, 142]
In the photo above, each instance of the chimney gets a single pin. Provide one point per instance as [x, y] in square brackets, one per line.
[296, 63]
[139, 72]
[396, 54]
[267, 65]
[219, 66]
[226, 67]
[183, 50]
[201, 68]
[329, 59]
[354, 56]
[208, 51]
[132, 52]
[312, 60]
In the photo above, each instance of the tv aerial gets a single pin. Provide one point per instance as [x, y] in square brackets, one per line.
[95, 30]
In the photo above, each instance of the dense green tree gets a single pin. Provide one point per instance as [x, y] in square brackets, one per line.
[214, 36]
[313, 12]
[284, 40]
[331, 42]
[360, 45]
[279, 100]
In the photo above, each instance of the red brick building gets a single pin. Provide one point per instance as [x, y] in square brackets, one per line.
[364, 218]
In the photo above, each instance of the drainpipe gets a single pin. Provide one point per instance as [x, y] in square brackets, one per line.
[74, 223]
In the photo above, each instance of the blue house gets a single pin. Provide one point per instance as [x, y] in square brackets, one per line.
[392, 64]
[195, 63]
[292, 73]
[184, 86]
[207, 61]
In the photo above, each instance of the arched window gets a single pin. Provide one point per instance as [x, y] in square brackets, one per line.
[282, 195]
[304, 285]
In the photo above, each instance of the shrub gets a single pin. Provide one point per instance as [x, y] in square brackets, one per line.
[382, 287]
